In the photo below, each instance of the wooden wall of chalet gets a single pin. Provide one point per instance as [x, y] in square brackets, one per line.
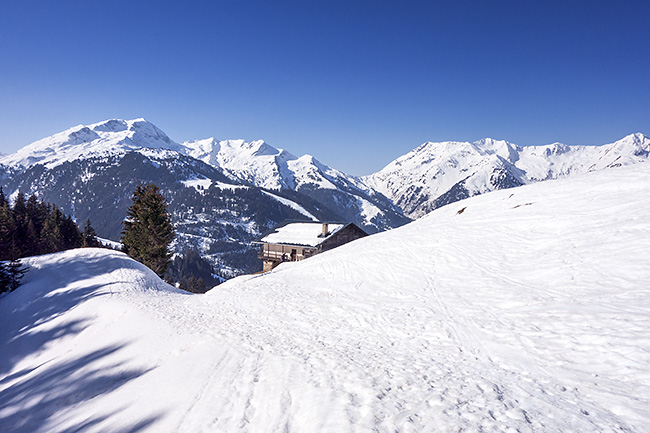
[345, 235]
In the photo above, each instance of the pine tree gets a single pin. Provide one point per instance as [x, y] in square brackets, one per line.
[8, 233]
[37, 212]
[16, 270]
[51, 239]
[31, 240]
[3, 199]
[71, 236]
[147, 229]
[19, 212]
[89, 235]
[4, 278]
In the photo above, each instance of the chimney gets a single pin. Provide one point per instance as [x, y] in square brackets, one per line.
[325, 230]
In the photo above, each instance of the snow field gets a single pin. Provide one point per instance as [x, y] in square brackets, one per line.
[528, 311]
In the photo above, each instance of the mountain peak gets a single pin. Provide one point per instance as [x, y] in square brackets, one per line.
[637, 137]
[113, 136]
[492, 143]
[111, 125]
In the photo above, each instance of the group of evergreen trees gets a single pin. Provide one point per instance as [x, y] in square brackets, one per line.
[31, 227]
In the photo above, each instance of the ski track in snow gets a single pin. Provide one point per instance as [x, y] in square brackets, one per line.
[526, 312]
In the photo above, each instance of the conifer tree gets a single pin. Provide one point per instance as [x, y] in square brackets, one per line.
[71, 236]
[20, 209]
[16, 270]
[51, 239]
[147, 229]
[4, 278]
[37, 212]
[3, 199]
[19, 212]
[8, 233]
[89, 235]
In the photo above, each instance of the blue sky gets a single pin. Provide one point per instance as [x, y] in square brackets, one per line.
[354, 83]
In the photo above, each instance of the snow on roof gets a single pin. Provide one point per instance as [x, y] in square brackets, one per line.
[303, 233]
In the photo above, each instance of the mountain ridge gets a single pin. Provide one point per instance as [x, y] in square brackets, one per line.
[415, 181]
[433, 174]
[91, 171]
[254, 163]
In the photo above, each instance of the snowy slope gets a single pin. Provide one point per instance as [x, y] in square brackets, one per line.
[255, 162]
[435, 174]
[520, 310]
[293, 205]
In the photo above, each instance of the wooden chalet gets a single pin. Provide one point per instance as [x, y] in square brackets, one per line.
[295, 241]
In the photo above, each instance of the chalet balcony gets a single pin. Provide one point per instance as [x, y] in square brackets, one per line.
[284, 253]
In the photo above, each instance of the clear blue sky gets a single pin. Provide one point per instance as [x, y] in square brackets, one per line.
[354, 83]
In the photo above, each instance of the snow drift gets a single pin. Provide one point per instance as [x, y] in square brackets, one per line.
[519, 310]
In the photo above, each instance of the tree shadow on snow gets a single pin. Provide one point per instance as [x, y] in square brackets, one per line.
[38, 396]
[50, 389]
[20, 334]
[48, 293]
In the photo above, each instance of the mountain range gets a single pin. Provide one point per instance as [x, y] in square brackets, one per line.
[436, 174]
[224, 193]
[526, 312]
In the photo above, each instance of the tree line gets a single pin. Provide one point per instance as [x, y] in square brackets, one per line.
[32, 227]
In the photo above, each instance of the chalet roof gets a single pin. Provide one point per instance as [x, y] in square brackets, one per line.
[301, 233]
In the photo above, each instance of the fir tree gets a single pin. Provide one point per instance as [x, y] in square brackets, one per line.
[10, 275]
[8, 233]
[89, 235]
[4, 278]
[3, 199]
[51, 239]
[31, 240]
[147, 229]
[16, 270]
[37, 212]
[19, 212]
[71, 236]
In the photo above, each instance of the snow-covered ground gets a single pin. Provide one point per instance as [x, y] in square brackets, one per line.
[519, 310]
[292, 204]
[111, 244]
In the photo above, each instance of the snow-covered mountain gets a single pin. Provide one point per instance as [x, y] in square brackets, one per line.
[435, 174]
[91, 171]
[523, 310]
[257, 163]
[253, 164]
[223, 193]
[108, 138]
